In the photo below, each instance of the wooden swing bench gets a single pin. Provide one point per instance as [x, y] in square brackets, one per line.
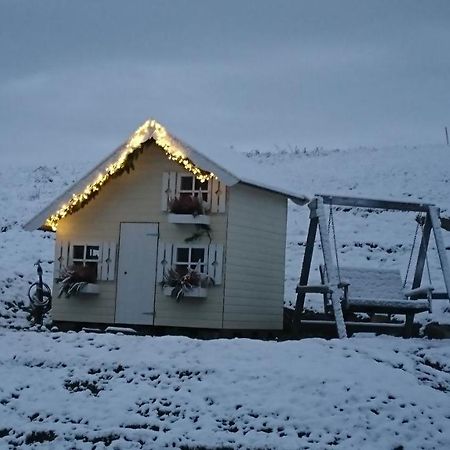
[368, 290]
[373, 291]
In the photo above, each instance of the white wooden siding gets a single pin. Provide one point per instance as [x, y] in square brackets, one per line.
[137, 197]
[255, 259]
[86, 308]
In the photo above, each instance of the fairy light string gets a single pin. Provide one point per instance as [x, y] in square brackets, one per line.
[131, 150]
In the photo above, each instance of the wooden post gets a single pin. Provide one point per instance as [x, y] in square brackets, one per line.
[331, 272]
[409, 325]
[306, 267]
[421, 257]
[445, 267]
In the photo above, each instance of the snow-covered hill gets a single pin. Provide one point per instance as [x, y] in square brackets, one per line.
[85, 391]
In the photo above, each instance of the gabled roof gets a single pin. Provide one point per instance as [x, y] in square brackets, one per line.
[198, 163]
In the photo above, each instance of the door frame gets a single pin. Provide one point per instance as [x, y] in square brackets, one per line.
[118, 263]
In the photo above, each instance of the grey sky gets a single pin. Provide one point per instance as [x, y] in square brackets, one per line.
[77, 77]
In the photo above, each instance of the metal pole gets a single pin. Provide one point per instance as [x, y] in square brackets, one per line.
[446, 135]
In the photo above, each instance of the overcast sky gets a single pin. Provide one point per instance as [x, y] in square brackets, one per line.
[77, 77]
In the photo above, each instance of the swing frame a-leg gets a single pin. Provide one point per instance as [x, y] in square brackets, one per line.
[318, 222]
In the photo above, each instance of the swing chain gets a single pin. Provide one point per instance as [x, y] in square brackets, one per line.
[331, 222]
[427, 264]
[428, 270]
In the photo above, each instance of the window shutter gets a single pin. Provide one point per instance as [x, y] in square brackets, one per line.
[222, 197]
[165, 258]
[164, 191]
[107, 263]
[177, 176]
[61, 257]
[215, 262]
[218, 196]
[70, 254]
[168, 188]
[208, 203]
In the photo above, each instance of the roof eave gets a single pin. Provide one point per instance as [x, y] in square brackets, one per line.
[38, 221]
[200, 160]
[296, 198]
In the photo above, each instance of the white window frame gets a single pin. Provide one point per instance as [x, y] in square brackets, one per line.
[203, 265]
[213, 259]
[86, 260]
[195, 192]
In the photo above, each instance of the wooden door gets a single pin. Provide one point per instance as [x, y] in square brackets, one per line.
[136, 276]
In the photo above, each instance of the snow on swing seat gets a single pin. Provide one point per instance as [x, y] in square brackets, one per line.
[384, 305]
[379, 290]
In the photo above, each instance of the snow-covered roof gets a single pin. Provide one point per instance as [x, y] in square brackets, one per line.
[228, 167]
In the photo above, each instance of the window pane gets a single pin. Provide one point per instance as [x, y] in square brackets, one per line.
[205, 196]
[181, 269]
[186, 183]
[198, 267]
[91, 271]
[78, 252]
[182, 255]
[92, 252]
[198, 254]
[201, 186]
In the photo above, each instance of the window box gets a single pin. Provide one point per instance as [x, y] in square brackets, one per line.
[195, 292]
[89, 288]
[200, 219]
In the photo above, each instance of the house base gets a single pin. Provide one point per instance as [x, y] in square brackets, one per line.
[195, 333]
[310, 329]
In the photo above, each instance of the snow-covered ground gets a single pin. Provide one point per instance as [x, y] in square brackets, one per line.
[79, 390]
[74, 389]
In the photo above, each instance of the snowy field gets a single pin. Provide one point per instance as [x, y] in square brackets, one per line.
[126, 392]
[80, 390]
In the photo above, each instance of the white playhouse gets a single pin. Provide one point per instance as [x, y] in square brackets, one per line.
[159, 234]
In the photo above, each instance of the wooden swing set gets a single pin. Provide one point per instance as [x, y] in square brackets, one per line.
[370, 290]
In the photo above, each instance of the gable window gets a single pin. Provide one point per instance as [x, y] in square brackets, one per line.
[190, 186]
[190, 258]
[86, 256]
[181, 184]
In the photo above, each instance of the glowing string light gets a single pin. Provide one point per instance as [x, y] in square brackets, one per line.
[149, 129]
